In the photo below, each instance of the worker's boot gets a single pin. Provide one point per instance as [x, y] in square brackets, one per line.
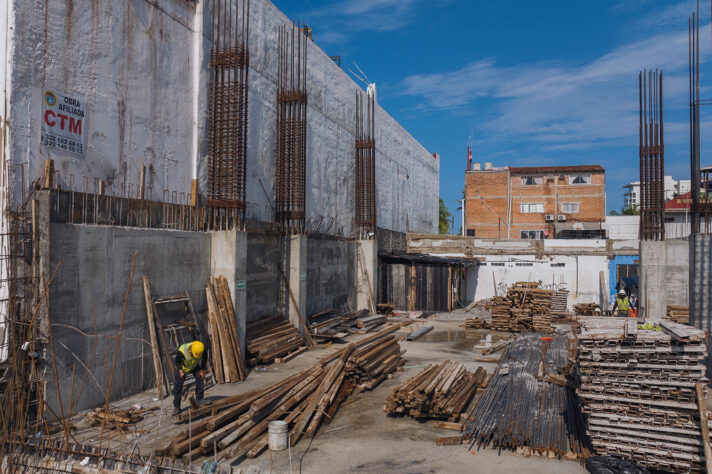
[176, 411]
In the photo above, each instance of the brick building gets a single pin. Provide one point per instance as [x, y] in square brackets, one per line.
[535, 202]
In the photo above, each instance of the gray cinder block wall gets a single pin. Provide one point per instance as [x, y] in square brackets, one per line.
[701, 282]
[87, 297]
[664, 275]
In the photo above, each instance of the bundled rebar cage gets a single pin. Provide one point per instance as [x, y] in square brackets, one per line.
[229, 62]
[365, 165]
[652, 155]
[290, 174]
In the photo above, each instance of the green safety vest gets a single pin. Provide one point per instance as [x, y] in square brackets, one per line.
[190, 362]
[623, 304]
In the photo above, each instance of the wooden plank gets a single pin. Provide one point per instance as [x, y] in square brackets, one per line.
[213, 333]
[446, 425]
[226, 339]
[281, 360]
[241, 368]
[704, 427]
[157, 367]
[448, 440]
[228, 370]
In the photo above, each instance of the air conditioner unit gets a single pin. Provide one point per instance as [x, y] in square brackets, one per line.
[550, 177]
[562, 218]
[549, 217]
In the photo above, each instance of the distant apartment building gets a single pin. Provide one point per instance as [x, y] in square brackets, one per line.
[535, 202]
[673, 188]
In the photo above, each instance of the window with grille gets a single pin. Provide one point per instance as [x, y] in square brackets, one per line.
[569, 207]
[531, 208]
[532, 234]
[580, 179]
[531, 180]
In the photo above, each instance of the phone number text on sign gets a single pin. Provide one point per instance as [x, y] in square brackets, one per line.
[62, 122]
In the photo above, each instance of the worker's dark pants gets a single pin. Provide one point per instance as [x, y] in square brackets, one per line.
[178, 386]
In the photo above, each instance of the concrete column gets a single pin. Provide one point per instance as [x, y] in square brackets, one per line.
[297, 277]
[228, 256]
[366, 274]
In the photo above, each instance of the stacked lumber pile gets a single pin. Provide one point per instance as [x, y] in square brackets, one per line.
[639, 389]
[521, 408]
[370, 365]
[500, 309]
[587, 309]
[559, 302]
[440, 392]
[272, 338]
[227, 359]
[329, 326]
[526, 308]
[477, 323]
[385, 309]
[237, 426]
[678, 314]
[115, 419]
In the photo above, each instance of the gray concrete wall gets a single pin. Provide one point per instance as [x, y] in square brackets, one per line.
[331, 282]
[664, 276]
[142, 69]
[264, 282]
[701, 282]
[88, 293]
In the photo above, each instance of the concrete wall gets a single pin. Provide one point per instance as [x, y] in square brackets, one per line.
[264, 282]
[142, 69]
[622, 227]
[578, 274]
[88, 295]
[664, 276]
[701, 282]
[331, 272]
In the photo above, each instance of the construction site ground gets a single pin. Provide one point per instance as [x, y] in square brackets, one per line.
[361, 437]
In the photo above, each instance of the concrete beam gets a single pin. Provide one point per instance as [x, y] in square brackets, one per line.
[366, 267]
[228, 256]
[296, 275]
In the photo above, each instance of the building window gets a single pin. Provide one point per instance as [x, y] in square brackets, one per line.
[570, 207]
[532, 234]
[531, 208]
[558, 264]
[497, 264]
[580, 179]
[470, 232]
[531, 180]
[524, 264]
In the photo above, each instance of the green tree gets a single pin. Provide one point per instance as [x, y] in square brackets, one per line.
[459, 202]
[613, 213]
[444, 225]
[630, 211]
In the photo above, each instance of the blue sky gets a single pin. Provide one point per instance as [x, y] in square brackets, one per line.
[530, 83]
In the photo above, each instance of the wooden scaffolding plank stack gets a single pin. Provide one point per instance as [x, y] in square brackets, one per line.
[526, 308]
[271, 338]
[638, 389]
[440, 392]
[559, 303]
[679, 314]
[228, 362]
[587, 309]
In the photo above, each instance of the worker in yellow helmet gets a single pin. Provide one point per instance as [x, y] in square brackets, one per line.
[188, 360]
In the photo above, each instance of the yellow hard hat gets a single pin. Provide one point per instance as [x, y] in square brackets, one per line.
[197, 348]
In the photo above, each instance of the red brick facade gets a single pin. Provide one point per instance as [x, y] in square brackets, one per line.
[524, 197]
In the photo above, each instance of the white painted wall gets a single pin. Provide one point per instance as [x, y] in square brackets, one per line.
[622, 227]
[141, 67]
[580, 275]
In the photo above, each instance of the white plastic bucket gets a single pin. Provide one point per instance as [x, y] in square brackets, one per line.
[278, 435]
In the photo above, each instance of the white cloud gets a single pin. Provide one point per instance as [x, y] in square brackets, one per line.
[563, 106]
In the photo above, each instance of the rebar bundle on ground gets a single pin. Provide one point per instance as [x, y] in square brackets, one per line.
[521, 408]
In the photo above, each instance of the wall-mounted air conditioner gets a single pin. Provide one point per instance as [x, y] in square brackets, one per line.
[549, 217]
[562, 218]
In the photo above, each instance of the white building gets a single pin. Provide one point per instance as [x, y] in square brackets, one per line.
[673, 188]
